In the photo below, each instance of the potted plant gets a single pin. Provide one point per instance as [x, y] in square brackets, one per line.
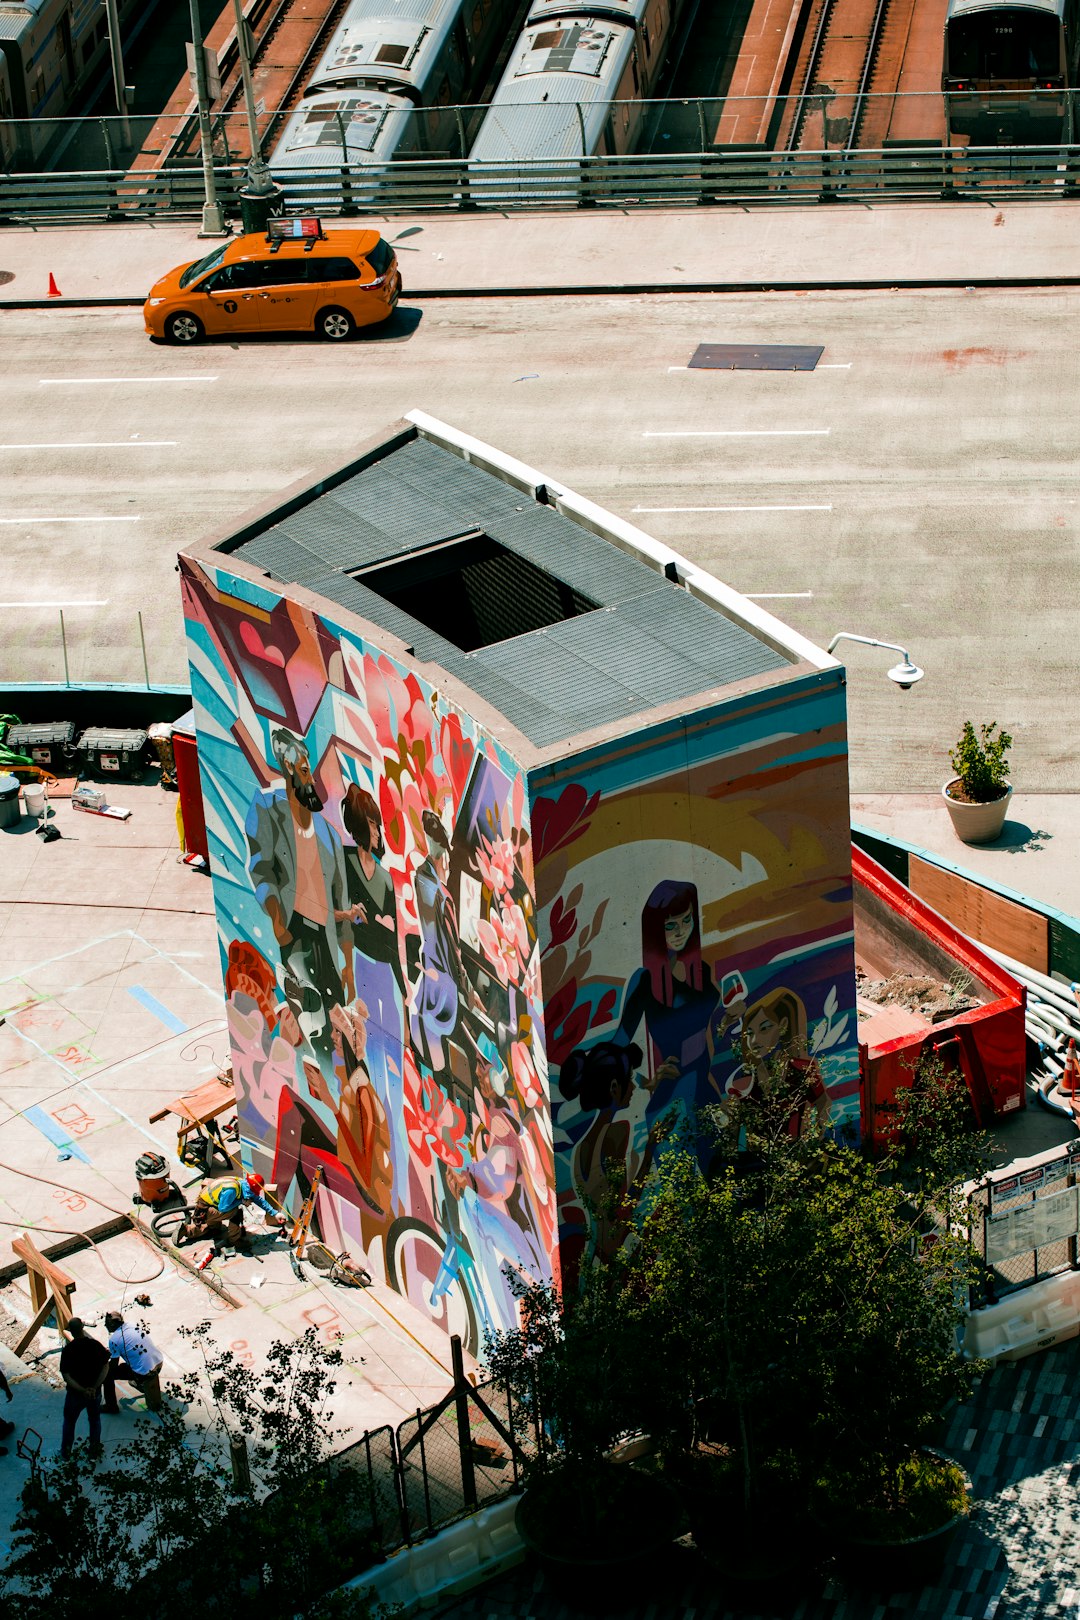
[596, 1525]
[978, 795]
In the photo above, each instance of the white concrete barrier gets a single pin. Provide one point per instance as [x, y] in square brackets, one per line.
[1030, 1319]
[458, 1558]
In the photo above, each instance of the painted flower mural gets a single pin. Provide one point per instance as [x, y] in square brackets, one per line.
[372, 865]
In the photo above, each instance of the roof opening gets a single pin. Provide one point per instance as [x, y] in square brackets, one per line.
[474, 591]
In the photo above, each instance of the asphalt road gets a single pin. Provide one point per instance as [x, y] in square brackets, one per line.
[921, 485]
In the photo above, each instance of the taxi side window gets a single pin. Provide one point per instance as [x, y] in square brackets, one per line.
[282, 272]
[334, 270]
[231, 278]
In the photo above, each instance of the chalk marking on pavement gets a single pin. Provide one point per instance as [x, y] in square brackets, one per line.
[731, 508]
[736, 433]
[105, 444]
[126, 519]
[774, 596]
[55, 382]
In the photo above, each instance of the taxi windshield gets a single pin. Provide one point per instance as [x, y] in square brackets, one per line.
[211, 262]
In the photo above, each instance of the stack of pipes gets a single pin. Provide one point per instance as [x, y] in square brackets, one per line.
[1051, 1017]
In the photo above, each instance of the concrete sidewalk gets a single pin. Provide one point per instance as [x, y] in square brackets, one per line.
[730, 247]
[1037, 855]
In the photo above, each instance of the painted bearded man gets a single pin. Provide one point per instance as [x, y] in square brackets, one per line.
[297, 864]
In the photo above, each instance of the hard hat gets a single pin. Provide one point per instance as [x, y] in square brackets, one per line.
[255, 1181]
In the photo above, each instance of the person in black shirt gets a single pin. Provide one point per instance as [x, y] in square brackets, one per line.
[84, 1366]
[6, 1427]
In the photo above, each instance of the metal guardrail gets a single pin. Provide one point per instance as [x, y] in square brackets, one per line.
[431, 186]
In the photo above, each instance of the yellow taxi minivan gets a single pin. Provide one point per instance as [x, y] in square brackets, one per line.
[294, 278]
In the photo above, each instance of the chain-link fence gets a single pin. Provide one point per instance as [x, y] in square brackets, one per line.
[1025, 1223]
[444, 1463]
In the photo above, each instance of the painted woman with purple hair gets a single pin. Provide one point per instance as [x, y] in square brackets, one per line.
[674, 995]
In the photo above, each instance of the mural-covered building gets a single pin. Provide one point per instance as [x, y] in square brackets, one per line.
[527, 838]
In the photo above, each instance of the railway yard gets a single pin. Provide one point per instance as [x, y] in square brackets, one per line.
[776, 75]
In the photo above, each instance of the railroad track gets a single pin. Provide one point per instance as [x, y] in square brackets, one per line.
[281, 27]
[847, 56]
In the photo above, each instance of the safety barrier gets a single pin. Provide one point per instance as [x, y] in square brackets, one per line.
[435, 185]
[444, 1464]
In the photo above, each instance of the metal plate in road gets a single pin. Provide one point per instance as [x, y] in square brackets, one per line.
[751, 357]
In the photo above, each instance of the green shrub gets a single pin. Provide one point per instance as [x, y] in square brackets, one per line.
[912, 1498]
[980, 763]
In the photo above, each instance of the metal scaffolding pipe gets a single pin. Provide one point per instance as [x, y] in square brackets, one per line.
[1029, 974]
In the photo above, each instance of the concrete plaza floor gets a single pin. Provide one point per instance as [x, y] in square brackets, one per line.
[110, 992]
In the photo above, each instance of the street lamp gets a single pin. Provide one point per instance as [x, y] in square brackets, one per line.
[905, 674]
[117, 59]
[259, 196]
[213, 220]
[259, 180]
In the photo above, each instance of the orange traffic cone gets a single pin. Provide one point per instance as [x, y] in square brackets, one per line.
[1070, 1079]
[54, 291]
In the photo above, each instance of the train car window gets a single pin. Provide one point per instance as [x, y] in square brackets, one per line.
[645, 35]
[551, 40]
[992, 45]
[477, 22]
[443, 97]
[634, 73]
[394, 55]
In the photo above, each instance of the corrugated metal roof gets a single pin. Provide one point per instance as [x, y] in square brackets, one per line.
[648, 641]
[13, 20]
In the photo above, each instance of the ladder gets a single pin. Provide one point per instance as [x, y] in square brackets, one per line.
[302, 1224]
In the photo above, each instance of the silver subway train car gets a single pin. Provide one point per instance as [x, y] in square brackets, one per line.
[1008, 69]
[575, 79]
[389, 85]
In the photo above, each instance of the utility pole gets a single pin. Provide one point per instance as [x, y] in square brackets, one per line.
[258, 174]
[117, 58]
[259, 197]
[213, 220]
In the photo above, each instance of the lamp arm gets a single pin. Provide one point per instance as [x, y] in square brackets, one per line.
[867, 641]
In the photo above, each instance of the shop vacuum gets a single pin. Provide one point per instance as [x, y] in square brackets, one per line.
[156, 1188]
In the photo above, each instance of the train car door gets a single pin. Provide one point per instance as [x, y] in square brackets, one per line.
[65, 49]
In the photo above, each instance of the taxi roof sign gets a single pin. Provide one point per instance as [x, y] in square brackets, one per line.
[291, 230]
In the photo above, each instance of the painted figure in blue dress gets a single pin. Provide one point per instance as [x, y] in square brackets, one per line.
[673, 994]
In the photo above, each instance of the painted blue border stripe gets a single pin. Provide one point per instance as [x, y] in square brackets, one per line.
[152, 1004]
[55, 1133]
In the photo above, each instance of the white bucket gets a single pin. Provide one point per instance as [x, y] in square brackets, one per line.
[34, 798]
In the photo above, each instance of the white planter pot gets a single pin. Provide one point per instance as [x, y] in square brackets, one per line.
[977, 823]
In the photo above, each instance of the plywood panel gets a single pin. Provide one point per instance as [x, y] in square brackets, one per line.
[986, 916]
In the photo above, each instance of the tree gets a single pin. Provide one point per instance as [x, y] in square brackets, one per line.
[168, 1505]
[809, 1296]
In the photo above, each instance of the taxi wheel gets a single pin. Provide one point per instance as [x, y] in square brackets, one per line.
[184, 328]
[335, 325]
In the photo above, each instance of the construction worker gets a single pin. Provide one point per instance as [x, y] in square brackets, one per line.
[220, 1204]
[135, 1359]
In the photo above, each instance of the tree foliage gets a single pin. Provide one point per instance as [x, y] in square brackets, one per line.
[165, 1521]
[797, 1303]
